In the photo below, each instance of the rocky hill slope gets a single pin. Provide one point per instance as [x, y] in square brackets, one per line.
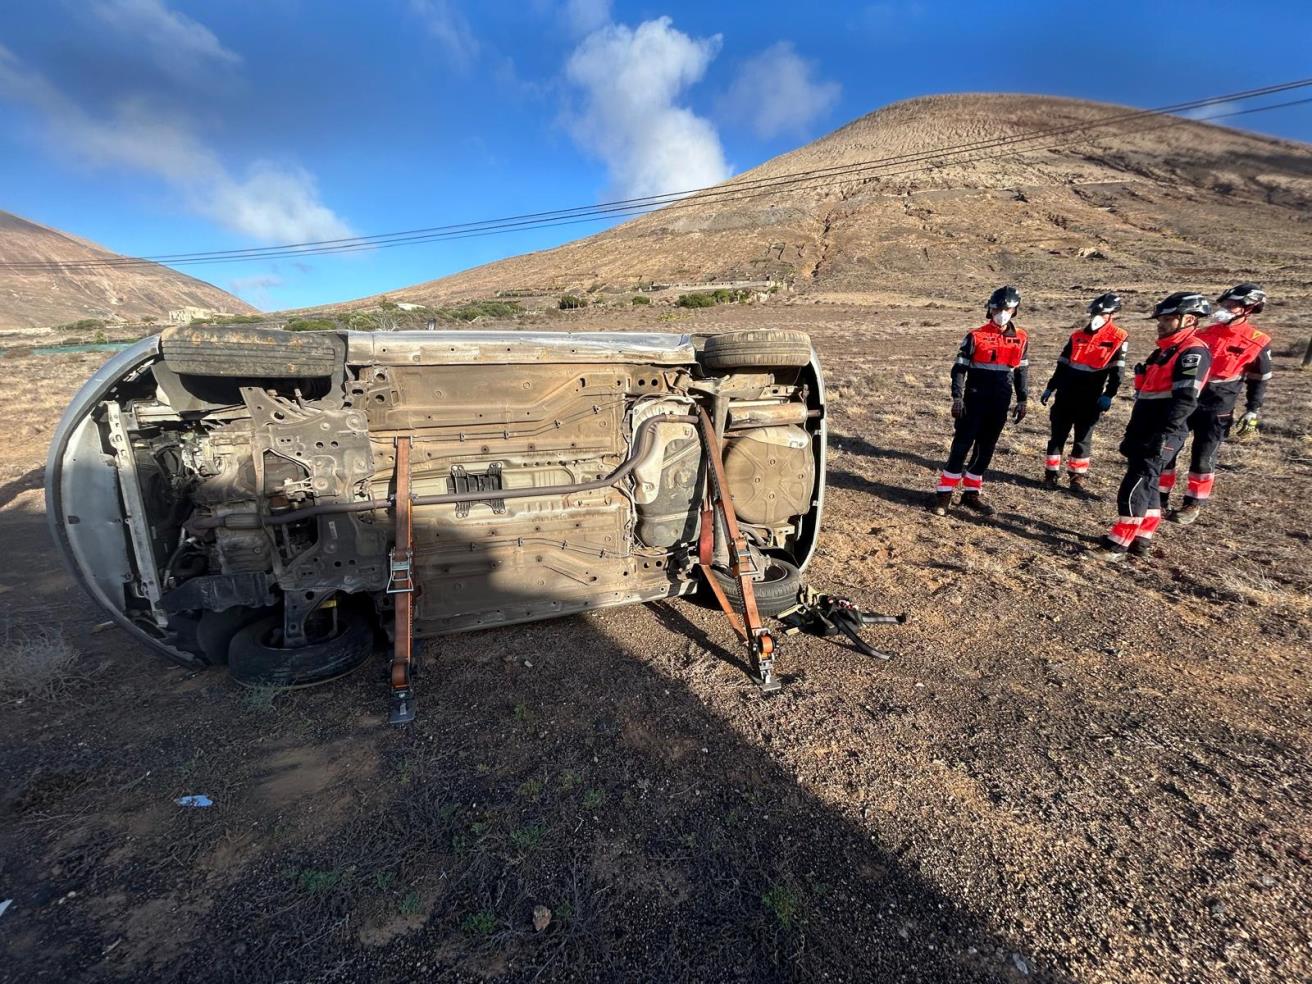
[1134, 206]
[51, 296]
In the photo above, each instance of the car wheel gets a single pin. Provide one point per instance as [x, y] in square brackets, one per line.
[760, 347]
[775, 593]
[256, 660]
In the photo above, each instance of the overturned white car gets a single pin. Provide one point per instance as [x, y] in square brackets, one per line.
[230, 495]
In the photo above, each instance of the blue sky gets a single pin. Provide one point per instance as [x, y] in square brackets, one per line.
[163, 126]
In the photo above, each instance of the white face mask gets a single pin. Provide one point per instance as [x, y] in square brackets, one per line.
[1001, 318]
[1097, 321]
[1223, 316]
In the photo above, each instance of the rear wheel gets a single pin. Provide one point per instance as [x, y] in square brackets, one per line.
[776, 347]
[266, 353]
[256, 657]
[775, 593]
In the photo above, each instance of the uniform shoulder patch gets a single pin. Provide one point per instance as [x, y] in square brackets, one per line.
[1190, 360]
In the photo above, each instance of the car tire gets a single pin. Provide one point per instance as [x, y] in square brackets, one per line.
[771, 347]
[254, 662]
[775, 594]
[265, 353]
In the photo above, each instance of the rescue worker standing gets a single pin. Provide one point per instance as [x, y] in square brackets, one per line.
[1087, 376]
[993, 361]
[1167, 386]
[1241, 355]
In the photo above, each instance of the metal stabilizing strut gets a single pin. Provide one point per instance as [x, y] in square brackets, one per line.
[401, 587]
[719, 500]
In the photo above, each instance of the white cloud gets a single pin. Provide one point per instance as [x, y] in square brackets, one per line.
[450, 29]
[176, 42]
[776, 92]
[631, 81]
[586, 16]
[270, 202]
[1214, 110]
[255, 288]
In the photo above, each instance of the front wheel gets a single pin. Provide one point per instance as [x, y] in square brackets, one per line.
[256, 658]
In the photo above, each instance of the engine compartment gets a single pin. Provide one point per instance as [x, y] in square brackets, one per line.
[197, 495]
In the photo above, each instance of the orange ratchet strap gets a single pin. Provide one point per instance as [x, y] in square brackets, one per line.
[748, 625]
[401, 587]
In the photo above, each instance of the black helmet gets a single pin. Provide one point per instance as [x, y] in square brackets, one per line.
[1105, 304]
[1182, 302]
[1250, 296]
[1003, 297]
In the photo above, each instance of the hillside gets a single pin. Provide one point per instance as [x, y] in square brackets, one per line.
[1139, 203]
[30, 299]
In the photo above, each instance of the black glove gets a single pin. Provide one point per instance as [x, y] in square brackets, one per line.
[1018, 412]
[958, 408]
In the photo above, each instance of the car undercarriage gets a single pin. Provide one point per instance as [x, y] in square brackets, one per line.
[229, 494]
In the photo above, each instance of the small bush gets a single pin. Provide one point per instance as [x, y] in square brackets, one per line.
[34, 662]
[312, 324]
[700, 299]
[572, 302]
[641, 300]
[783, 903]
[481, 309]
[100, 338]
[86, 324]
[479, 923]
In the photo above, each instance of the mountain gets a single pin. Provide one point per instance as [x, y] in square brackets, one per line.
[1139, 206]
[30, 299]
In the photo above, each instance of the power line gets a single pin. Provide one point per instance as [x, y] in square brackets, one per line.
[625, 207]
[925, 160]
[734, 192]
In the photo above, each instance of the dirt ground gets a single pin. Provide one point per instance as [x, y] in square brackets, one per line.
[1067, 772]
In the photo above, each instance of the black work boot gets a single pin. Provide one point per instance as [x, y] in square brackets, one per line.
[1185, 515]
[1108, 551]
[942, 502]
[1141, 547]
[972, 500]
[1050, 479]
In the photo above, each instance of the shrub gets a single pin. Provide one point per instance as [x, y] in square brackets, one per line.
[86, 324]
[572, 302]
[312, 324]
[641, 299]
[35, 662]
[481, 309]
[699, 299]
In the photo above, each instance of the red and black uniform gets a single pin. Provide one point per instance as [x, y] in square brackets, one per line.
[1090, 367]
[1167, 386]
[1241, 357]
[991, 364]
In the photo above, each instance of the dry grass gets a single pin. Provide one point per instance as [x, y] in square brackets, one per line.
[35, 663]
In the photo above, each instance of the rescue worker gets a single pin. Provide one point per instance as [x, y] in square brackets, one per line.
[1166, 386]
[993, 361]
[1241, 357]
[1087, 376]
